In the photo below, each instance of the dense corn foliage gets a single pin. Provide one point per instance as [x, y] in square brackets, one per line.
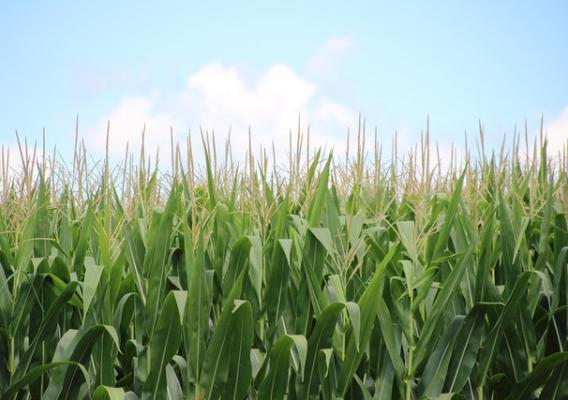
[329, 277]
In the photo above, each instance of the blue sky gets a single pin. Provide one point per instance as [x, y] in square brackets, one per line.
[190, 64]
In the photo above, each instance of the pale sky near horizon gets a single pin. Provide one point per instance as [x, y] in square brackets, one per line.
[190, 64]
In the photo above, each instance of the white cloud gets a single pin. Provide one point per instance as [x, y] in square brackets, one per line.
[326, 58]
[127, 121]
[217, 97]
[557, 132]
[270, 105]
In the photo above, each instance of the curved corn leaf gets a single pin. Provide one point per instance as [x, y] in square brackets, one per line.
[368, 304]
[108, 393]
[215, 371]
[436, 369]
[164, 344]
[277, 284]
[156, 267]
[319, 338]
[198, 305]
[464, 357]
[442, 299]
[496, 335]
[240, 367]
[36, 372]
[74, 346]
[275, 383]
[539, 376]
[46, 327]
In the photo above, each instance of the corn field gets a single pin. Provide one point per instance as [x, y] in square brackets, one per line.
[330, 276]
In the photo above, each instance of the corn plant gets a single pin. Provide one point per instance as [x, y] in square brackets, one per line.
[327, 278]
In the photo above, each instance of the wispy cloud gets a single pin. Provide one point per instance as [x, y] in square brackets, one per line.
[327, 57]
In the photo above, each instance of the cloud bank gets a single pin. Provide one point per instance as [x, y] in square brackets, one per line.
[219, 97]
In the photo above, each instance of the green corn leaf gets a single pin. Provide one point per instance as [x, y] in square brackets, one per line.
[436, 369]
[277, 285]
[240, 367]
[46, 327]
[318, 203]
[539, 376]
[74, 346]
[155, 262]
[91, 281]
[495, 337]
[556, 386]
[238, 260]
[108, 393]
[198, 306]
[319, 338]
[214, 374]
[467, 345]
[368, 304]
[392, 342]
[442, 299]
[451, 212]
[274, 385]
[37, 372]
[164, 344]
